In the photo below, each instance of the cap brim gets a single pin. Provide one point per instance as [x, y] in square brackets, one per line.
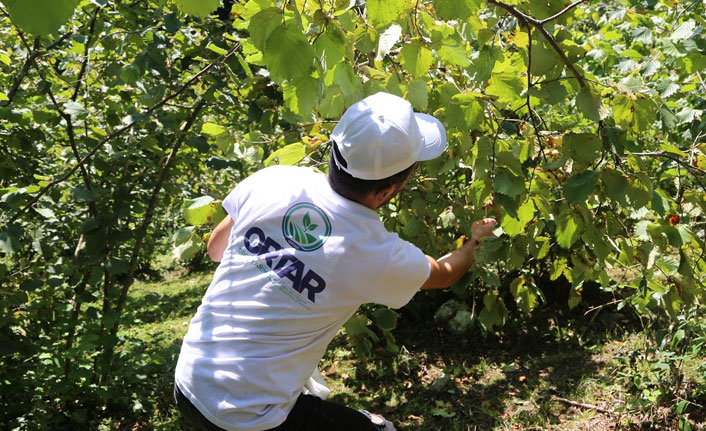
[434, 135]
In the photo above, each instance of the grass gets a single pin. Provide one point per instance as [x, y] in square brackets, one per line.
[534, 377]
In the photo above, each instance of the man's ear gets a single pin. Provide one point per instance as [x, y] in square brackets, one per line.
[385, 194]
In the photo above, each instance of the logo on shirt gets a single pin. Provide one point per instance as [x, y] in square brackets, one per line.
[306, 227]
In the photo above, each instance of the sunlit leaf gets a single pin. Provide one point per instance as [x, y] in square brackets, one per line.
[198, 7]
[40, 17]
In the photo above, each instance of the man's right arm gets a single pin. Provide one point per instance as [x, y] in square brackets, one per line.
[218, 241]
[447, 270]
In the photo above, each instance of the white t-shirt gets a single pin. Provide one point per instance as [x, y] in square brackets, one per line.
[300, 260]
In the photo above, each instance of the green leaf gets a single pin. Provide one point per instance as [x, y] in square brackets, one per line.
[356, 325]
[40, 17]
[574, 298]
[183, 234]
[490, 277]
[382, 13]
[578, 187]
[188, 248]
[568, 228]
[10, 239]
[348, 82]
[508, 183]
[82, 194]
[589, 104]
[262, 24]
[634, 113]
[117, 266]
[545, 60]
[288, 54]
[667, 264]
[202, 210]
[200, 8]
[75, 110]
[514, 226]
[505, 86]
[130, 73]
[447, 219]
[413, 227]
[330, 47]
[287, 155]
[301, 95]
[525, 294]
[417, 94]
[482, 66]
[331, 106]
[388, 39]
[456, 9]
[683, 30]
[510, 204]
[473, 110]
[212, 129]
[386, 318]
[669, 119]
[416, 58]
[494, 313]
[453, 53]
[487, 251]
[582, 147]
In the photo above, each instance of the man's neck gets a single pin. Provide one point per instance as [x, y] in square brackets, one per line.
[369, 201]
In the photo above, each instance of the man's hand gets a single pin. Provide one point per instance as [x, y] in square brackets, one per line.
[448, 269]
[481, 229]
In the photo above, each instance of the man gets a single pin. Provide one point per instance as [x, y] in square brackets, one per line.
[299, 252]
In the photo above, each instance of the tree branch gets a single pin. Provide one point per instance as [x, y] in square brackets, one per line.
[74, 148]
[522, 17]
[86, 54]
[142, 231]
[31, 55]
[120, 131]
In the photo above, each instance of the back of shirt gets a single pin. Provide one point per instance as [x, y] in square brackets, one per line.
[300, 260]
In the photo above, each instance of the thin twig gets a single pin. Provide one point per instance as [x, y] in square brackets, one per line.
[119, 132]
[582, 405]
[559, 14]
[672, 157]
[698, 74]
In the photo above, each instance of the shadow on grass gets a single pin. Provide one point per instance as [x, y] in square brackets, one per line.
[473, 382]
[153, 306]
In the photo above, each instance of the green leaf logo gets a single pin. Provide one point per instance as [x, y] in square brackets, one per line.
[306, 227]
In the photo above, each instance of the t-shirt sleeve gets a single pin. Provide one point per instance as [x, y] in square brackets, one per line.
[230, 203]
[406, 271]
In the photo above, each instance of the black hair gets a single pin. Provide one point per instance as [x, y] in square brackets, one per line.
[354, 188]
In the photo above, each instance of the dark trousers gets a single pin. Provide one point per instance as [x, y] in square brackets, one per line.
[310, 413]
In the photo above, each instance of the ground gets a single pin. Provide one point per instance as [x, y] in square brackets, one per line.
[555, 373]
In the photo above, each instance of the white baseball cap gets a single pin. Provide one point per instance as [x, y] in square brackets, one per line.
[381, 135]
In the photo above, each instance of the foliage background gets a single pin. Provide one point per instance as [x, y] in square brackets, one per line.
[579, 125]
